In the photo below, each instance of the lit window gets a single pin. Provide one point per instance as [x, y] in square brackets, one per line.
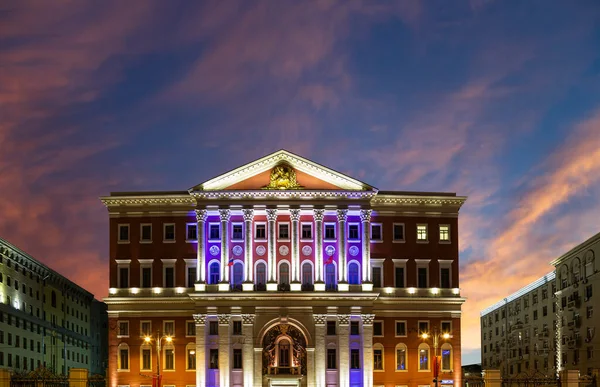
[191, 357]
[354, 359]
[422, 232]
[423, 357]
[446, 357]
[444, 233]
[378, 358]
[401, 357]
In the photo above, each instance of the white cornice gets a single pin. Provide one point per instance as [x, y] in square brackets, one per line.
[268, 162]
[284, 194]
[155, 200]
[415, 200]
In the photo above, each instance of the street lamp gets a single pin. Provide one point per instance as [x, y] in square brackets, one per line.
[158, 342]
[436, 338]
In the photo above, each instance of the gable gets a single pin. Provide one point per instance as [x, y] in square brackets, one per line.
[283, 170]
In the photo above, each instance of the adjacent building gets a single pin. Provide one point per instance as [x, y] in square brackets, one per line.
[548, 326]
[45, 319]
[283, 272]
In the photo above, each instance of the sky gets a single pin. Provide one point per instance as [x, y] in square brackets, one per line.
[495, 100]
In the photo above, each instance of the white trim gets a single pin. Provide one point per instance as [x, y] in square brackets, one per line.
[312, 268]
[266, 271]
[142, 225]
[353, 240]
[168, 263]
[403, 240]
[187, 225]
[256, 224]
[123, 264]
[279, 239]
[187, 322]
[382, 328]
[400, 263]
[125, 322]
[190, 262]
[220, 232]
[145, 346]
[380, 231]
[445, 264]
[379, 346]
[424, 345]
[241, 224]
[123, 241]
[164, 355]
[398, 346]
[230, 268]
[141, 330]
[146, 264]
[335, 231]
[446, 321]
[378, 262]
[190, 347]
[119, 365]
[396, 328]
[211, 262]
[312, 232]
[426, 240]
[359, 271]
[444, 241]
[442, 347]
[164, 329]
[165, 240]
[428, 326]
[420, 264]
[281, 262]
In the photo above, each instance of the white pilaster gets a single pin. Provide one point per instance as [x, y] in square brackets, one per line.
[224, 344]
[258, 367]
[248, 349]
[248, 284]
[272, 218]
[365, 218]
[200, 284]
[318, 216]
[310, 367]
[225, 215]
[344, 349]
[367, 336]
[295, 217]
[200, 320]
[342, 216]
[320, 364]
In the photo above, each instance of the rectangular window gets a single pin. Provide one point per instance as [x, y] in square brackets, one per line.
[588, 292]
[237, 233]
[191, 359]
[422, 277]
[376, 271]
[237, 358]
[169, 277]
[260, 231]
[123, 359]
[399, 271]
[331, 359]
[237, 328]
[213, 328]
[124, 277]
[353, 232]
[169, 232]
[378, 328]
[354, 359]
[447, 327]
[423, 327]
[444, 233]
[169, 359]
[401, 359]
[284, 231]
[213, 359]
[378, 360]
[398, 232]
[400, 328]
[145, 328]
[146, 277]
[214, 231]
[146, 359]
[123, 233]
[331, 325]
[191, 277]
[329, 231]
[190, 329]
[354, 328]
[123, 329]
[445, 278]
[191, 232]
[306, 230]
[169, 328]
[376, 232]
[146, 233]
[421, 232]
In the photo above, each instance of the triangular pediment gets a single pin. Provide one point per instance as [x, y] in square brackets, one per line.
[282, 170]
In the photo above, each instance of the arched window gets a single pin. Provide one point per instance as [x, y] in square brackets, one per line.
[169, 357]
[353, 277]
[576, 269]
[307, 277]
[123, 359]
[145, 357]
[190, 351]
[238, 274]
[423, 357]
[284, 273]
[401, 357]
[330, 276]
[378, 357]
[589, 263]
[261, 273]
[53, 299]
[214, 273]
[446, 357]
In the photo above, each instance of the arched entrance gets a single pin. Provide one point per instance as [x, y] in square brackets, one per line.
[284, 351]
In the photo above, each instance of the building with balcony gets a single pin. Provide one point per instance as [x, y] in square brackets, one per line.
[45, 319]
[283, 272]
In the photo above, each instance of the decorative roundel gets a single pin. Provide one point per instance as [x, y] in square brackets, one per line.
[307, 250]
[284, 250]
[214, 250]
[237, 251]
[353, 251]
[330, 250]
[260, 250]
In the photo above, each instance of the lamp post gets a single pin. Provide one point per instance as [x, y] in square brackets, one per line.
[158, 343]
[436, 337]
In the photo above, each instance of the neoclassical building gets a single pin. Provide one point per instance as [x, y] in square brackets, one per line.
[284, 272]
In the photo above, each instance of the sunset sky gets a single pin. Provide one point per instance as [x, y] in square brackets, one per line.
[495, 100]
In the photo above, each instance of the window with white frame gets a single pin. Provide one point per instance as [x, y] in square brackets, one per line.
[237, 232]
[169, 354]
[376, 232]
[123, 236]
[169, 232]
[423, 326]
[398, 232]
[446, 327]
[353, 232]
[123, 359]
[446, 357]
[421, 233]
[190, 351]
[123, 329]
[377, 272]
[168, 272]
[378, 354]
[445, 273]
[145, 357]
[400, 272]
[145, 328]
[191, 232]
[122, 273]
[284, 231]
[214, 231]
[401, 357]
[423, 357]
[169, 328]
[400, 328]
[307, 234]
[329, 231]
[260, 231]
[422, 273]
[190, 328]
[191, 272]
[145, 273]
[378, 328]
[444, 233]
[146, 233]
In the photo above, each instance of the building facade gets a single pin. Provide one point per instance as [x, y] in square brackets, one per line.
[518, 333]
[283, 272]
[45, 319]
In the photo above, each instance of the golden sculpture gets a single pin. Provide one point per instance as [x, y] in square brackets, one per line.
[283, 176]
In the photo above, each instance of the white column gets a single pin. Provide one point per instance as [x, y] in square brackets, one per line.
[258, 367]
[295, 217]
[248, 349]
[365, 218]
[200, 285]
[342, 216]
[367, 347]
[320, 365]
[225, 215]
[248, 284]
[318, 216]
[310, 367]
[200, 320]
[224, 344]
[344, 349]
[272, 218]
